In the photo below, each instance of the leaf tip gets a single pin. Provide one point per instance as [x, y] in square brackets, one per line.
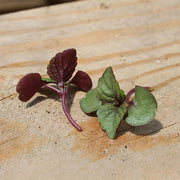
[83, 80]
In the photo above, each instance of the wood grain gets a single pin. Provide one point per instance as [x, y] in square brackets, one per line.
[140, 39]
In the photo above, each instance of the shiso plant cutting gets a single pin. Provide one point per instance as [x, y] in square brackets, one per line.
[109, 102]
[112, 105]
[60, 70]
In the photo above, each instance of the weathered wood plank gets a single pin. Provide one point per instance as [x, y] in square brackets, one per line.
[140, 40]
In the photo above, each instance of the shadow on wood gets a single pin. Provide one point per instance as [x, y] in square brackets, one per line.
[49, 94]
[152, 127]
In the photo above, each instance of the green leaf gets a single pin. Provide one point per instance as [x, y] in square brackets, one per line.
[108, 88]
[91, 102]
[110, 117]
[48, 80]
[143, 109]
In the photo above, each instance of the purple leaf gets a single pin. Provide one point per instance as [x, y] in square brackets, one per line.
[82, 80]
[28, 86]
[62, 66]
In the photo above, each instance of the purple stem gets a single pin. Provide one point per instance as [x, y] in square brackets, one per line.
[71, 120]
[63, 98]
[133, 91]
[129, 95]
[52, 88]
[67, 87]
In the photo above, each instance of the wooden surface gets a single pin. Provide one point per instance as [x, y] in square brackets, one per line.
[141, 40]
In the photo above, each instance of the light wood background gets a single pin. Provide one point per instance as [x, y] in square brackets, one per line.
[140, 39]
